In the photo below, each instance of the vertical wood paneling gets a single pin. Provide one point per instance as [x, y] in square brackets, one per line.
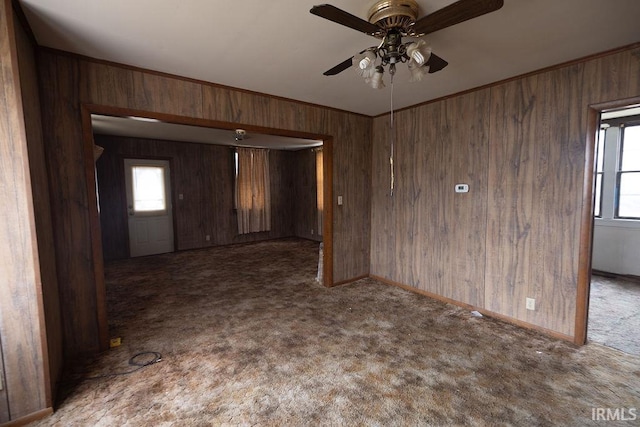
[106, 85]
[537, 163]
[511, 201]
[352, 180]
[281, 175]
[42, 208]
[612, 77]
[222, 217]
[62, 129]
[304, 187]
[189, 177]
[113, 204]
[425, 235]
[532, 194]
[4, 396]
[165, 95]
[21, 334]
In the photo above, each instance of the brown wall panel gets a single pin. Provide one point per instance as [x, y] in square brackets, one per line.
[305, 191]
[166, 95]
[531, 134]
[41, 204]
[112, 86]
[425, 235]
[70, 205]
[22, 336]
[532, 234]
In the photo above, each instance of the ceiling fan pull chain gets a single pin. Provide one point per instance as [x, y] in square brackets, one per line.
[392, 144]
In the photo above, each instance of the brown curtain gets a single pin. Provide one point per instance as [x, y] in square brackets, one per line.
[319, 188]
[253, 191]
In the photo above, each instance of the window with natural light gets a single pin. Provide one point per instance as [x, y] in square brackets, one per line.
[148, 189]
[599, 172]
[628, 205]
[617, 170]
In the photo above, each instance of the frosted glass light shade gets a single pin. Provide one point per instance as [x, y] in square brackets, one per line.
[376, 80]
[419, 52]
[364, 64]
[417, 71]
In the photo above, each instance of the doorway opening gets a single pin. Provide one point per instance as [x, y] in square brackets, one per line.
[614, 297]
[321, 228]
[613, 288]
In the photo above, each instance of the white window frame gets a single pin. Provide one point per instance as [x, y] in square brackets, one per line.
[612, 146]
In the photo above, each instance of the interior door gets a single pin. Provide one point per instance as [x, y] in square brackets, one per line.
[149, 206]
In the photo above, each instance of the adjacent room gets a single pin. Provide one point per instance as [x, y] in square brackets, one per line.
[614, 316]
[198, 180]
[416, 212]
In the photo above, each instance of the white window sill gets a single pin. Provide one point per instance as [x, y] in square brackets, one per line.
[619, 223]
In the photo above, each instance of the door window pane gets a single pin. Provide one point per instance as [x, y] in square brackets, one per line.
[148, 188]
[629, 199]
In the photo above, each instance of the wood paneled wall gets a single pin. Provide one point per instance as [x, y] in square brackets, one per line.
[203, 174]
[41, 204]
[68, 81]
[305, 207]
[425, 235]
[24, 363]
[521, 148]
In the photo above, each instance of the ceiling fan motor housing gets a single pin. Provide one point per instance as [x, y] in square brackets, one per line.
[394, 14]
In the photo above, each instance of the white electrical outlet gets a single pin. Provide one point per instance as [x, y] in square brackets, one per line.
[531, 304]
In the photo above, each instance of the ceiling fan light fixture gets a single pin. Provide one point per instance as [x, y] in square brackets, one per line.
[419, 52]
[376, 81]
[417, 71]
[391, 20]
[241, 134]
[364, 64]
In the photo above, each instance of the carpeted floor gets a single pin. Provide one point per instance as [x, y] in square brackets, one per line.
[614, 313]
[249, 338]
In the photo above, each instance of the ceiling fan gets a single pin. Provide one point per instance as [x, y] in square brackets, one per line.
[390, 21]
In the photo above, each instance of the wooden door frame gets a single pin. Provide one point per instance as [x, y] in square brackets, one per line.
[587, 222]
[94, 220]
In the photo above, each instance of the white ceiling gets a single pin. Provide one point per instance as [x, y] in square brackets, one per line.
[277, 47]
[149, 128]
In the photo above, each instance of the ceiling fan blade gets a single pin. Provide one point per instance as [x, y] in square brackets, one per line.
[339, 16]
[435, 63]
[455, 13]
[339, 68]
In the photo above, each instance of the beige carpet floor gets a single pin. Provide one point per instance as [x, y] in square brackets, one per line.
[248, 337]
[614, 313]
